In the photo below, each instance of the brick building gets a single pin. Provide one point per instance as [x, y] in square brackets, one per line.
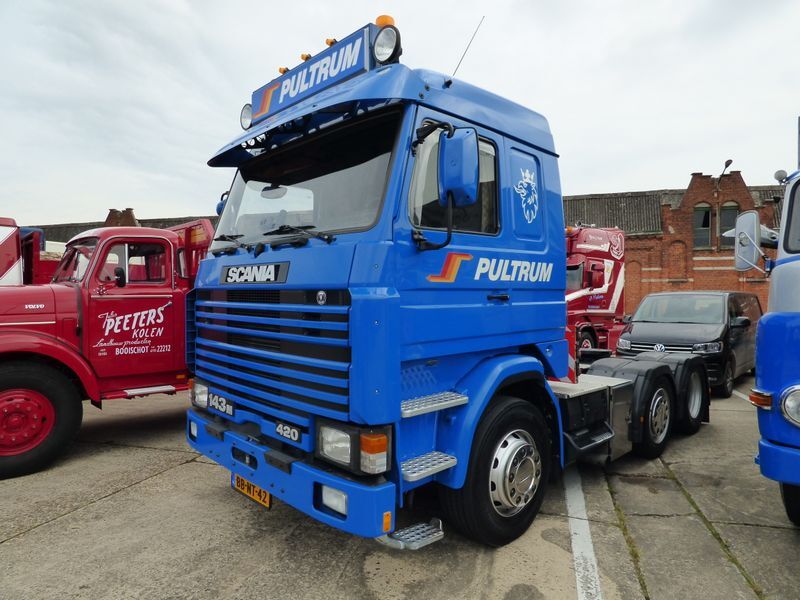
[674, 237]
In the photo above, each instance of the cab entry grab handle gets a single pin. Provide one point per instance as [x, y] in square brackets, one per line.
[499, 297]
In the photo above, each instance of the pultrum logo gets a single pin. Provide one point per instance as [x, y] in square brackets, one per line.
[450, 268]
[266, 100]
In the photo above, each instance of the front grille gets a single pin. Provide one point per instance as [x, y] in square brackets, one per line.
[276, 351]
[650, 347]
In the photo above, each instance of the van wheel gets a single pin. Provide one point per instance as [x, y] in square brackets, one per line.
[40, 413]
[725, 389]
[696, 399]
[790, 494]
[657, 419]
[507, 477]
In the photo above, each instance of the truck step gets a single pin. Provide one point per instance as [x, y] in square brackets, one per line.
[414, 537]
[426, 465]
[434, 402]
[590, 438]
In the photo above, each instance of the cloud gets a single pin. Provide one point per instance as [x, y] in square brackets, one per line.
[115, 104]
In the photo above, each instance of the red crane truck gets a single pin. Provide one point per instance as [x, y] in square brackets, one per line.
[595, 285]
[109, 325]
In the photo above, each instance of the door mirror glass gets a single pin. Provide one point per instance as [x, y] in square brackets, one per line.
[119, 276]
[458, 167]
[748, 241]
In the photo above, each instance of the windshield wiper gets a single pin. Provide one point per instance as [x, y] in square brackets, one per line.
[225, 237]
[303, 230]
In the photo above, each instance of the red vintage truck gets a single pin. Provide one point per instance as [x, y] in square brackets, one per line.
[110, 324]
[22, 256]
[595, 285]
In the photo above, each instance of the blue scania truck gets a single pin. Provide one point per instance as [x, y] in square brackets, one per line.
[777, 388]
[383, 307]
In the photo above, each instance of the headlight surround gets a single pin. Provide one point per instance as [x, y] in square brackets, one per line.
[386, 48]
[246, 116]
[790, 404]
[360, 450]
[707, 348]
[199, 394]
[623, 344]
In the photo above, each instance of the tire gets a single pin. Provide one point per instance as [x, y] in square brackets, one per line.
[725, 389]
[586, 340]
[40, 413]
[696, 398]
[489, 508]
[790, 494]
[658, 418]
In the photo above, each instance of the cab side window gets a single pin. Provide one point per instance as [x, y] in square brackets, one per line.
[426, 212]
[142, 262]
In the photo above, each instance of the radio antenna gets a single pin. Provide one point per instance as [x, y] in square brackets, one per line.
[467, 48]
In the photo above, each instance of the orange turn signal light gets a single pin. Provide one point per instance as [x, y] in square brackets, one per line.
[387, 521]
[330, 41]
[374, 443]
[384, 20]
[304, 56]
[760, 399]
[283, 70]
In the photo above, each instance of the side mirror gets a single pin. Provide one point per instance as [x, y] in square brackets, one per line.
[627, 319]
[221, 204]
[119, 276]
[597, 279]
[747, 241]
[740, 322]
[458, 167]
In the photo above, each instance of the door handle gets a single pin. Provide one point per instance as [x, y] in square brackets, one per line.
[499, 297]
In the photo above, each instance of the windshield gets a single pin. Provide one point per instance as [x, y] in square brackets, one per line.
[791, 242]
[75, 261]
[332, 182]
[682, 308]
[574, 277]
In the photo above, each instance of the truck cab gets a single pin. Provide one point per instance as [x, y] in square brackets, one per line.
[776, 394]
[109, 325]
[383, 307]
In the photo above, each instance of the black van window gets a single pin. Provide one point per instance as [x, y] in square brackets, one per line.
[749, 307]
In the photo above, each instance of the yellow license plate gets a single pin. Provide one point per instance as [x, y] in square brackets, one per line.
[252, 491]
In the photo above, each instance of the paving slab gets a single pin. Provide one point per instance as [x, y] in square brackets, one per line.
[680, 559]
[631, 464]
[617, 574]
[87, 473]
[730, 433]
[769, 556]
[649, 496]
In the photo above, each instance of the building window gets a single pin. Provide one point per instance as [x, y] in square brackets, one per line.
[702, 226]
[727, 220]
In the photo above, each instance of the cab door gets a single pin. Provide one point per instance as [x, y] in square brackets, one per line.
[132, 316]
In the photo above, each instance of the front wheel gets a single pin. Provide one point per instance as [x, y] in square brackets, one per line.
[657, 422]
[790, 494]
[586, 340]
[40, 413]
[508, 473]
[725, 389]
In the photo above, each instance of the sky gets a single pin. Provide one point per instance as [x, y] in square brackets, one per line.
[114, 104]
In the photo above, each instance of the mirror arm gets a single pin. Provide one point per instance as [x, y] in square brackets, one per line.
[427, 129]
[764, 257]
[423, 244]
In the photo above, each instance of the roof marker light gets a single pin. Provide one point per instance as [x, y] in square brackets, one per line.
[304, 57]
[330, 41]
[384, 20]
[283, 70]
[246, 116]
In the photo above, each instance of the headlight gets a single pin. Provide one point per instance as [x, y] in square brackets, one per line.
[623, 344]
[199, 394]
[246, 116]
[334, 445]
[386, 48]
[707, 348]
[790, 404]
[359, 450]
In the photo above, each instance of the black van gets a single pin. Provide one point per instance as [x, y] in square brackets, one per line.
[720, 326]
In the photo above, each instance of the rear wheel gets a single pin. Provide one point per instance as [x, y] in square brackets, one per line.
[507, 478]
[586, 340]
[725, 388]
[695, 399]
[658, 417]
[790, 494]
[40, 413]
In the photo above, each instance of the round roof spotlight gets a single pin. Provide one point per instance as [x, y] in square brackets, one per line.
[386, 48]
[246, 116]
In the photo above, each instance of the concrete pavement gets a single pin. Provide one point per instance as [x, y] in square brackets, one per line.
[131, 512]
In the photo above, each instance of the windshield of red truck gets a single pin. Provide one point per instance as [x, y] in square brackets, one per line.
[75, 261]
[704, 309]
[332, 182]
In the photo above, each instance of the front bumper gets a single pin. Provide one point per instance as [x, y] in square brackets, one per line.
[781, 463]
[300, 485]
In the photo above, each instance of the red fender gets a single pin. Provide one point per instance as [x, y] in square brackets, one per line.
[49, 347]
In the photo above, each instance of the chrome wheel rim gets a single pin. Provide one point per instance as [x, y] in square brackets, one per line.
[695, 399]
[659, 416]
[515, 473]
[728, 378]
